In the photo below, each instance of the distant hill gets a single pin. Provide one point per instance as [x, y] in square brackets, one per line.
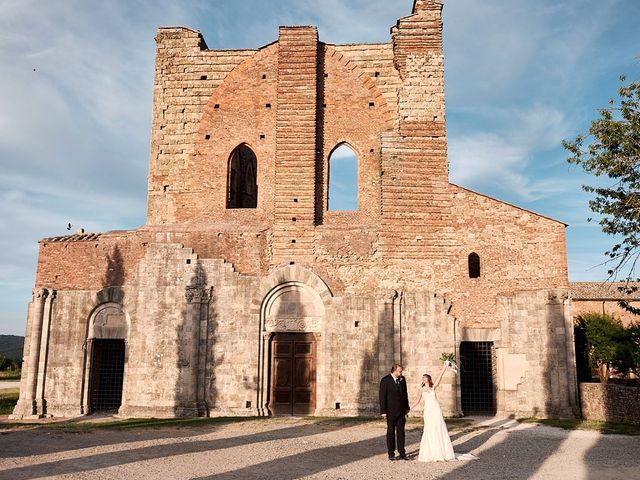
[11, 347]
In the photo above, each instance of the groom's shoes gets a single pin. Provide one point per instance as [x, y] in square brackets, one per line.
[392, 458]
[403, 457]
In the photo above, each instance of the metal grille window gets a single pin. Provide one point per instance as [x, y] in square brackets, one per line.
[107, 375]
[476, 377]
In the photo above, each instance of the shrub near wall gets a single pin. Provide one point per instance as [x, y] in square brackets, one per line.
[610, 402]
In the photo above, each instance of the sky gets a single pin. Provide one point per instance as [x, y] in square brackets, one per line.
[76, 80]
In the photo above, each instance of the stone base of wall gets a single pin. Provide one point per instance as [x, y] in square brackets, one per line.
[610, 403]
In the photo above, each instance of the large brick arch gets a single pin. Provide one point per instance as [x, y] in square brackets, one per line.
[243, 110]
[356, 114]
[237, 113]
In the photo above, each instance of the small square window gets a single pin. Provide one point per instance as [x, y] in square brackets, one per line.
[203, 77]
[372, 105]
[268, 105]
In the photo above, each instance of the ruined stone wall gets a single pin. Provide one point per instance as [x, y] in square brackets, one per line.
[186, 75]
[610, 403]
[518, 250]
[392, 277]
[535, 355]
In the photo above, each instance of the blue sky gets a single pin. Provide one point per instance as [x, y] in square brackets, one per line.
[76, 86]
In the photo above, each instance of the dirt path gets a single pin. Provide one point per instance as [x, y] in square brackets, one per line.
[298, 448]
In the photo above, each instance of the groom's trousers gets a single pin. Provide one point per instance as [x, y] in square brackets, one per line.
[395, 429]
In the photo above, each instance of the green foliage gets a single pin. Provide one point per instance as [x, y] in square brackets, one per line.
[5, 363]
[613, 152]
[8, 375]
[634, 340]
[451, 357]
[8, 400]
[607, 343]
[11, 347]
[8, 365]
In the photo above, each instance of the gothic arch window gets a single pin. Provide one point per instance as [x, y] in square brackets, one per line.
[474, 265]
[343, 179]
[242, 181]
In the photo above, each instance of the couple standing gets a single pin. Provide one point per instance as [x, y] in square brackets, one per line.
[435, 445]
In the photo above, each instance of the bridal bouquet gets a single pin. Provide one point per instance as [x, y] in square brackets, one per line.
[449, 360]
[452, 365]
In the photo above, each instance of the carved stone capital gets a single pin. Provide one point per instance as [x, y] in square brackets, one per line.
[197, 294]
[557, 297]
[39, 294]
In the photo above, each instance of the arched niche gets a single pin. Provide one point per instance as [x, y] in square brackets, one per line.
[293, 307]
[108, 321]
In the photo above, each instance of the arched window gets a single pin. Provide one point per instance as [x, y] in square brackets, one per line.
[343, 179]
[243, 184]
[474, 265]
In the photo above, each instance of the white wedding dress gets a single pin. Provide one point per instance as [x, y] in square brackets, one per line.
[435, 445]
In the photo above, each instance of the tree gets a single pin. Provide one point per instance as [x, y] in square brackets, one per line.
[608, 343]
[5, 363]
[614, 152]
[634, 336]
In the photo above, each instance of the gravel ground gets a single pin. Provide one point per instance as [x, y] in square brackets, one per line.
[299, 448]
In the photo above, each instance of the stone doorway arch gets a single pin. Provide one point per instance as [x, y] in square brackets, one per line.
[105, 359]
[291, 304]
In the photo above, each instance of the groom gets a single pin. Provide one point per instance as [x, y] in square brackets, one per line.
[394, 405]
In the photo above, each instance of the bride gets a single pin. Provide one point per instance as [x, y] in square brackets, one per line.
[435, 445]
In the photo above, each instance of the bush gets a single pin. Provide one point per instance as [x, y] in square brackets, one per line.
[606, 344]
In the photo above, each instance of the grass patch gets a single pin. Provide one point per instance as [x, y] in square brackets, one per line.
[8, 400]
[571, 424]
[10, 375]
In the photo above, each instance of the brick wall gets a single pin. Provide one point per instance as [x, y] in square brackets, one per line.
[610, 307]
[609, 402]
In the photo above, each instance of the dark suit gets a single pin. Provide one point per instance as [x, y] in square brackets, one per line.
[394, 402]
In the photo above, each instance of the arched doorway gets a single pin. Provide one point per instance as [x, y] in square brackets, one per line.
[108, 328]
[292, 315]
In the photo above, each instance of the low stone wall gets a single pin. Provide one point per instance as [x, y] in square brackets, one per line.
[609, 402]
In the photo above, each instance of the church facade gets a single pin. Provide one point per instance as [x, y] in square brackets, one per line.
[245, 294]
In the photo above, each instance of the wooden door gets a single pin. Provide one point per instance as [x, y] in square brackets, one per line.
[293, 379]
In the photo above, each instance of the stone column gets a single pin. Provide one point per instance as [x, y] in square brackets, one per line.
[263, 374]
[26, 406]
[86, 377]
[44, 354]
[198, 317]
[397, 300]
[203, 352]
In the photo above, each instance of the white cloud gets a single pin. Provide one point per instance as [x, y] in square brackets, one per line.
[499, 161]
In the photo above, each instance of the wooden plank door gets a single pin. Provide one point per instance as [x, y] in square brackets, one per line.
[293, 374]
